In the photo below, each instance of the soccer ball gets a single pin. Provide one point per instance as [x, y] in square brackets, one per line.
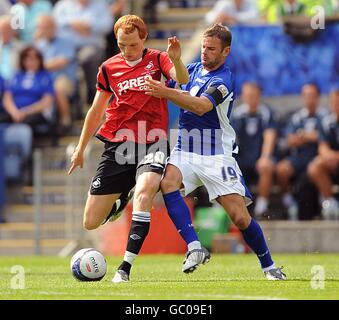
[88, 265]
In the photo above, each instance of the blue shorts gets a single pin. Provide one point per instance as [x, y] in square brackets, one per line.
[299, 164]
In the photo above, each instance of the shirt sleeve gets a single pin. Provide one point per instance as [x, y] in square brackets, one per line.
[102, 80]
[165, 64]
[172, 84]
[271, 123]
[292, 126]
[67, 50]
[8, 84]
[218, 92]
[324, 134]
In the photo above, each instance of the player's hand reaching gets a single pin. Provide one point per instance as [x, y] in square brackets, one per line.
[156, 89]
[76, 160]
[174, 49]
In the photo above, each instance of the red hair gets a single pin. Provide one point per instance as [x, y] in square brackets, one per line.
[129, 23]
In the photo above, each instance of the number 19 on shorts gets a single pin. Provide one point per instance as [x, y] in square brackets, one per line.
[229, 174]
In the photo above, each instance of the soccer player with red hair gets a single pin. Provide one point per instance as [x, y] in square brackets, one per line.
[134, 133]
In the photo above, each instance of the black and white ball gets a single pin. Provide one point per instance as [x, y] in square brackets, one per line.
[88, 265]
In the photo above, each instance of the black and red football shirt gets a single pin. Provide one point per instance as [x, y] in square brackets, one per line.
[132, 115]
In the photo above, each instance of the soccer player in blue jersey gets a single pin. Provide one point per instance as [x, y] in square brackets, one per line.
[204, 151]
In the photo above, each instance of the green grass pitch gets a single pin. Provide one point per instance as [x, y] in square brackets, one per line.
[160, 277]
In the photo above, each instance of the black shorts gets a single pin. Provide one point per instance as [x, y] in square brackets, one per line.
[122, 162]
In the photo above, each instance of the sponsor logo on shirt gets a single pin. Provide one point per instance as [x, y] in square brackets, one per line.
[201, 81]
[139, 83]
[118, 74]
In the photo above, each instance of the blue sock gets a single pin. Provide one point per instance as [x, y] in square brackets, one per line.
[180, 216]
[255, 239]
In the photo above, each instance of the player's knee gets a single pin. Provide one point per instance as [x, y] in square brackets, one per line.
[233, 210]
[144, 198]
[90, 224]
[279, 169]
[169, 185]
[283, 170]
[242, 221]
[268, 168]
[314, 168]
[171, 181]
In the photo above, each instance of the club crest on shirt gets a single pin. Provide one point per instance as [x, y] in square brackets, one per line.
[149, 66]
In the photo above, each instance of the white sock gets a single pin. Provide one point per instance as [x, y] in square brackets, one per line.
[261, 206]
[288, 200]
[269, 268]
[130, 257]
[194, 245]
[142, 216]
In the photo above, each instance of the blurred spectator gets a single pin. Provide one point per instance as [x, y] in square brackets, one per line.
[291, 8]
[117, 8]
[5, 7]
[302, 140]
[17, 146]
[256, 134]
[273, 10]
[230, 12]
[18, 139]
[60, 59]
[332, 7]
[325, 167]
[268, 10]
[150, 11]
[296, 23]
[28, 97]
[29, 11]
[85, 23]
[9, 48]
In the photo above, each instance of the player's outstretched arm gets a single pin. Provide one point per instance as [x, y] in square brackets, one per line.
[197, 105]
[179, 72]
[92, 121]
